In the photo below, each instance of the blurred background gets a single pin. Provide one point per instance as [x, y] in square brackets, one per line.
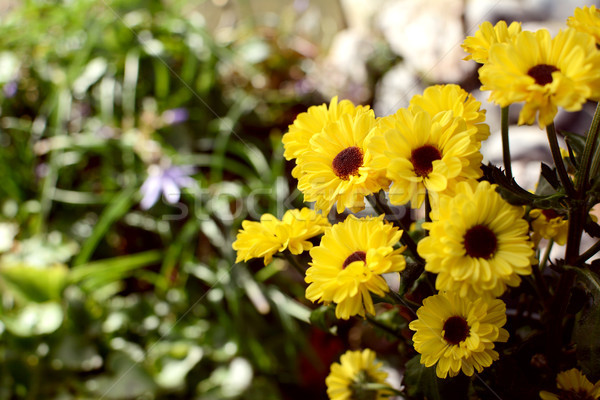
[136, 135]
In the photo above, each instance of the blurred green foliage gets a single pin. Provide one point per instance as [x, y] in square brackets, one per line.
[102, 298]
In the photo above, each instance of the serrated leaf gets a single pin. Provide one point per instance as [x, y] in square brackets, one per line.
[592, 228]
[549, 176]
[510, 190]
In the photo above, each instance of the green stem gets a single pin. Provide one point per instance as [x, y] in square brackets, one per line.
[558, 162]
[381, 387]
[292, 260]
[505, 143]
[546, 254]
[383, 327]
[588, 253]
[397, 299]
[588, 150]
[558, 309]
[577, 215]
[427, 208]
[541, 285]
[383, 208]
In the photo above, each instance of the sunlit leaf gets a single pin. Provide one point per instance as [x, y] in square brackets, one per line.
[34, 319]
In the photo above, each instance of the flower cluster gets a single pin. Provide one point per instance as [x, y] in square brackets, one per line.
[269, 236]
[482, 232]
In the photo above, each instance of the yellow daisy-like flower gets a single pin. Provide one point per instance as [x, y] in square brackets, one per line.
[573, 385]
[338, 166]
[307, 124]
[423, 153]
[478, 243]
[458, 333]
[347, 378]
[544, 72]
[548, 224]
[451, 97]
[478, 46]
[349, 262]
[270, 235]
[587, 20]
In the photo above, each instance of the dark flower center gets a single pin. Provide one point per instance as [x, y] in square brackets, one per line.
[347, 162]
[480, 242]
[456, 330]
[550, 214]
[356, 256]
[570, 395]
[542, 73]
[422, 159]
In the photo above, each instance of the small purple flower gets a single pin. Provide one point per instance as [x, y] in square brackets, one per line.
[166, 180]
[175, 116]
[10, 89]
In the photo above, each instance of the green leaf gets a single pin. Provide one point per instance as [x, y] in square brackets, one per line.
[585, 332]
[324, 318]
[36, 284]
[173, 368]
[510, 190]
[575, 143]
[77, 352]
[115, 210]
[550, 181]
[420, 380]
[128, 380]
[97, 274]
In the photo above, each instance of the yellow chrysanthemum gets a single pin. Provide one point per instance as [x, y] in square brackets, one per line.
[572, 384]
[548, 224]
[451, 97]
[338, 165]
[544, 72]
[458, 333]
[349, 262]
[347, 378]
[423, 153]
[478, 243]
[307, 124]
[478, 46]
[270, 235]
[587, 20]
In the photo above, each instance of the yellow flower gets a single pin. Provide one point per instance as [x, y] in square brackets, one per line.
[478, 243]
[450, 97]
[544, 73]
[349, 262]
[572, 384]
[479, 45]
[548, 224]
[587, 20]
[458, 333]
[307, 124]
[270, 235]
[347, 378]
[337, 167]
[423, 153]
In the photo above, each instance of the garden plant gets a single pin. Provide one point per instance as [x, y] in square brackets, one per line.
[472, 288]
